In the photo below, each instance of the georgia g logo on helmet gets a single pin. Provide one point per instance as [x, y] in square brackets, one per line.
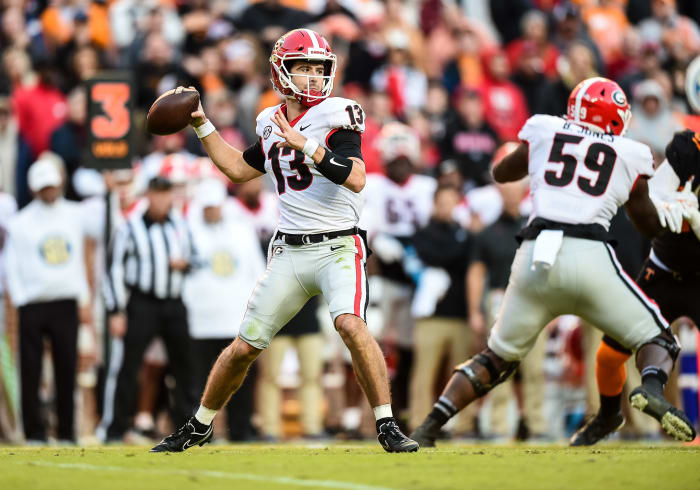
[301, 44]
[619, 98]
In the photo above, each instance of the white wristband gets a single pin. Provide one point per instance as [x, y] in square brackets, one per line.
[310, 147]
[204, 130]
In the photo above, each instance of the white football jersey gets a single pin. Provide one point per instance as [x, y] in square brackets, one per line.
[398, 210]
[309, 202]
[578, 176]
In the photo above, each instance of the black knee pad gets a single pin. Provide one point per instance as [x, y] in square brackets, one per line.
[668, 341]
[498, 369]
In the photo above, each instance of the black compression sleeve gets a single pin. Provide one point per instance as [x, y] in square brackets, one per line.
[346, 143]
[334, 167]
[254, 156]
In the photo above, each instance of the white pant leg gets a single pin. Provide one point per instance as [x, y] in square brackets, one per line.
[341, 276]
[524, 311]
[278, 296]
[613, 302]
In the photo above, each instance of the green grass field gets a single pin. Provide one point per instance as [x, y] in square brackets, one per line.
[352, 467]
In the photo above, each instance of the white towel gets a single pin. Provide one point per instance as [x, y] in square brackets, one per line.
[547, 247]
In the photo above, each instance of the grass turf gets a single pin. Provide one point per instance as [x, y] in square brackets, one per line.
[357, 467]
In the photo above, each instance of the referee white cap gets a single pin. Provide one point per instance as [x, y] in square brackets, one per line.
[43, 173]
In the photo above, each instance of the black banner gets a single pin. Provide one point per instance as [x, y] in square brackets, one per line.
[110, 99]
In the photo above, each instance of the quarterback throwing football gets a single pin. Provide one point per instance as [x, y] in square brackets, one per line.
[310, 148]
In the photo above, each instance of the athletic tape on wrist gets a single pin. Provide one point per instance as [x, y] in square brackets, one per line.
[204, 130]
[310, 147]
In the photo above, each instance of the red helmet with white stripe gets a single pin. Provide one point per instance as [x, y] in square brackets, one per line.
[302, 44]
[600, 105]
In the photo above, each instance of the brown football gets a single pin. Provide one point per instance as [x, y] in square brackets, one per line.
[171, 112]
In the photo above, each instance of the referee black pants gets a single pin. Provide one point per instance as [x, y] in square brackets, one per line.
[56, 321]
[148, 317]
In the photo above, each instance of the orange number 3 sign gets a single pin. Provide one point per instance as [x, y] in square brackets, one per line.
[114, 97]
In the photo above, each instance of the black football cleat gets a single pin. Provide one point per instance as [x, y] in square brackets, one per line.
[673, 421]
[427, 433]
[393, 440]
[596, 429]
[193, 433]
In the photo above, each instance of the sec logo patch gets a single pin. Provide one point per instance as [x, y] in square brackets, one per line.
[55, 250]
[267, 131]
[222, 264]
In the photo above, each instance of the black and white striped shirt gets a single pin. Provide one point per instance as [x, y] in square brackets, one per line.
[140, 257]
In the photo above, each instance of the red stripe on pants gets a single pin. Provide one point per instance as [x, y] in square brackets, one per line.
[358, 275]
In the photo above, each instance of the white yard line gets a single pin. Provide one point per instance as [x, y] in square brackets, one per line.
[282, 480]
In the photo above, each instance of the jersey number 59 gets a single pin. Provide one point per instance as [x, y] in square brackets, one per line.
[600, 158]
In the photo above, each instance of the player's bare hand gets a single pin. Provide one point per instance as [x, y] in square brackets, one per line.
[292, 138]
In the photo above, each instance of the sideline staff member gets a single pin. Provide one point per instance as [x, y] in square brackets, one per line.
[46, 278]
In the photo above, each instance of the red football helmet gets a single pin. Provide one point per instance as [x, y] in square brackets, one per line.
[301, 44]
[600, 105]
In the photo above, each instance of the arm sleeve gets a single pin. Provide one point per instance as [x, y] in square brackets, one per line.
[345, 142]
[254, 156]
[114, 287]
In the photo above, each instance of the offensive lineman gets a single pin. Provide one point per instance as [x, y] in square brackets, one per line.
[670, 276]
[581, 170]
[310, 148]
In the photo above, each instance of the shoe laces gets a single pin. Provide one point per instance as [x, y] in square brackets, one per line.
[179, 433]
[390, 427]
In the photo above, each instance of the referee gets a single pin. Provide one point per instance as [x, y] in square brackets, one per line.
[149, 257]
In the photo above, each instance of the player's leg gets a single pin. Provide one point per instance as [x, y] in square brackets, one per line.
[610, 375]
[611, 356]
[523, 315]
[342, 279]
[616, 305]
[270, 390]
[277, 297]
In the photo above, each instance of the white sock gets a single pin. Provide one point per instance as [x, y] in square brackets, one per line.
[205, 415]
[382, 412]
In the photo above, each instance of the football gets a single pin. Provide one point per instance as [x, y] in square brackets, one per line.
[171, 111]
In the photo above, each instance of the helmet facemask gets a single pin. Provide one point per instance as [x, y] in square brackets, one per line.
[306, 97]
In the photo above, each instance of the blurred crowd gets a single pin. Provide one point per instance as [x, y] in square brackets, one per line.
[445, 84]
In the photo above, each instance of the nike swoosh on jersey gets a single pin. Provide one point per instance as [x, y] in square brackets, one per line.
[336, 163]
[336, 247]
[302, 128]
